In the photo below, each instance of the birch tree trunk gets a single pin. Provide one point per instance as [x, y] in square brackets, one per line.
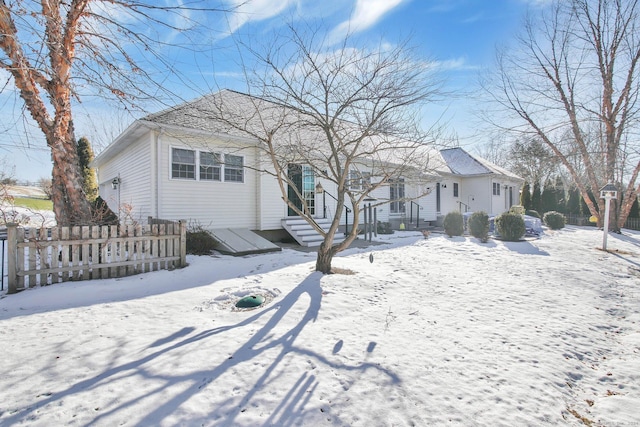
[46, 92]
[52, 47]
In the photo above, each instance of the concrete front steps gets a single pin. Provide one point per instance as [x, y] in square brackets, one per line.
[305, 234]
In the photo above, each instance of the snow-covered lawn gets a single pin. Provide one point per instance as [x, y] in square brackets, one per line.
[444, 331]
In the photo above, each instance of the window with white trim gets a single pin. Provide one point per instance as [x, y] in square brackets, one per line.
[183, 163]
[496, 189]
[359, 180]
[354, 180]
[233, 168]
[366, 180]
[210, 166]
[396, 194]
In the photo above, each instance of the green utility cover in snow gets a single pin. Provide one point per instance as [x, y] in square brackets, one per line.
[250, 301]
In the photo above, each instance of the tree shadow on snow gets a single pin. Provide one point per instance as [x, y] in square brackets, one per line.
[202, 271]
[627, 236]
[292, 406]
[524, 247]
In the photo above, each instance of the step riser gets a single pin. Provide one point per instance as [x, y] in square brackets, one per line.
[305, 234]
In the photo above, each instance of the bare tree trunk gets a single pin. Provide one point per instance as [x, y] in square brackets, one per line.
[70, 204]
[325, 256]
[591, 104]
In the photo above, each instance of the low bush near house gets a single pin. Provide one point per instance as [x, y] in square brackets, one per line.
[554, 220]
[453, 224]
[517, 209]
[479, 226]
[199, 241]
[384, 228]
[510, 226]
[531, 212]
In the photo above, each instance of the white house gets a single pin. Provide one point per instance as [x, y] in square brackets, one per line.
[470, 183]
[182, 164]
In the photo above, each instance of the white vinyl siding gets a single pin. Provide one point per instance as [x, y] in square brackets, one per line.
[133, 193]
[210, 204]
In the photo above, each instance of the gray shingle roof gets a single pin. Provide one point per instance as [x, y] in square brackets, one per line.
[204, 113]
[462, 163]
[255, 115]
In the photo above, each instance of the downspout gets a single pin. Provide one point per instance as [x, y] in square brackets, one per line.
[259, 211]
[157, 172]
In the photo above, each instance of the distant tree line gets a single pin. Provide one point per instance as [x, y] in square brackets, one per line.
[554, 196]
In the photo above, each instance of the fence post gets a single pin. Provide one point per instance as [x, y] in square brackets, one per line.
[12, 251]
[183, 243]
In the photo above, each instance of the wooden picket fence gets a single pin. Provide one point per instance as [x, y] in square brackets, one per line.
[44, 256]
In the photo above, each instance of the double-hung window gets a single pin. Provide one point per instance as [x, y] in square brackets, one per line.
[355, 182]
[183, 163]
[233, 168]
[206, 166]
[210, 165]
[359, 180]
[496, 189]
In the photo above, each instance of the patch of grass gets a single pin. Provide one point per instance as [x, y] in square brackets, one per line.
[586, 421]
[35, 204]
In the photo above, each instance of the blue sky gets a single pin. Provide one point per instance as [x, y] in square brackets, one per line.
[460, 34]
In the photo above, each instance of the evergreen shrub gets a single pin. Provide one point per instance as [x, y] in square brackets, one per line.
[554, 220]
[453, 224]
[531, 212]
[518, 209]
[199, 241]
[479, 225]
[384, 228]
[510, 226]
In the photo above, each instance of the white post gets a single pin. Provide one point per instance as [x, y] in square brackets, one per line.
[12, 261]
[607, 200]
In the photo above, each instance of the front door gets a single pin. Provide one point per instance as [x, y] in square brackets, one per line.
[301, 178]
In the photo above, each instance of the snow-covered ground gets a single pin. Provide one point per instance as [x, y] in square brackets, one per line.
[25, 216]
[25, 191]
[443, 331]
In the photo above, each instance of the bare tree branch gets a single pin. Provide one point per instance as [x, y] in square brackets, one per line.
[572, 80]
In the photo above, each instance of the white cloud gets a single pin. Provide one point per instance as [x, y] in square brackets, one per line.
[245, 11]
[454, 64]
[365, 14]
